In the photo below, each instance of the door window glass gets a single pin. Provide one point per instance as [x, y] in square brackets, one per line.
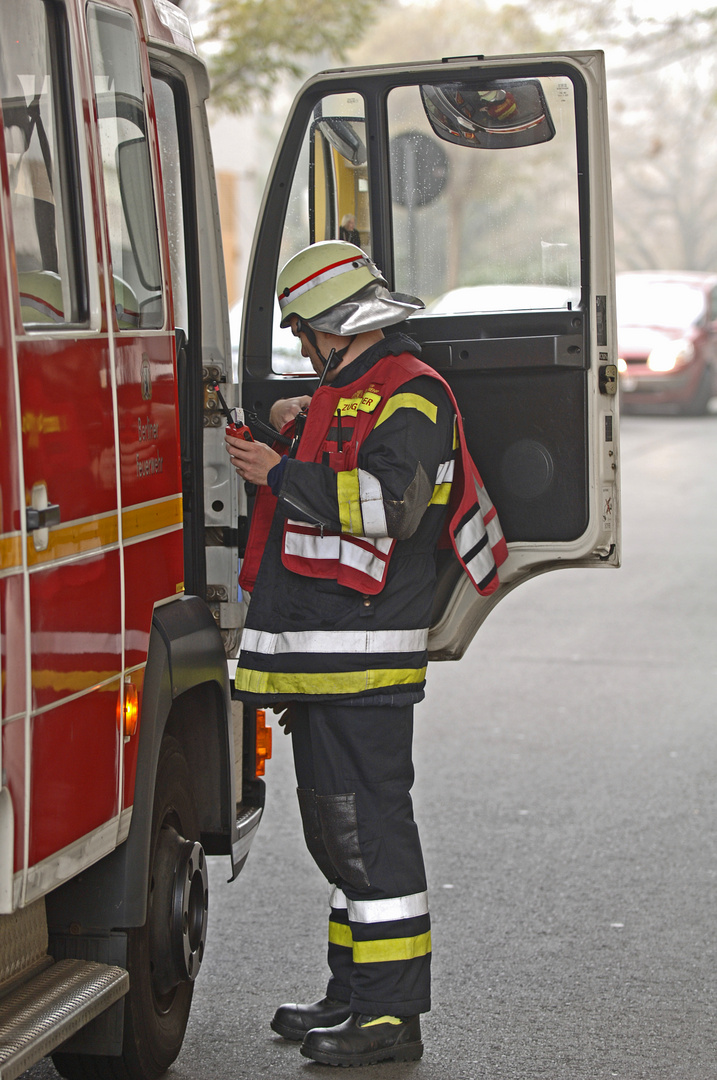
[42, 165]
[484, 189]
[329, 198]
[168, 132]
[127, 170]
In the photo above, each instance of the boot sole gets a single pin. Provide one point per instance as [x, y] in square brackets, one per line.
[292, 1034]
[407, 1052]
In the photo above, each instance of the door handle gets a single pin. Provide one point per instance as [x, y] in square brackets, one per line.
[42, 518]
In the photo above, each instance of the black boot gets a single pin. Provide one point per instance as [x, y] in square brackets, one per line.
[293, 1021]
[366, 1040]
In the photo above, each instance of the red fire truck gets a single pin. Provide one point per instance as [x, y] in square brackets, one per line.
[481, 185]
[124, 762]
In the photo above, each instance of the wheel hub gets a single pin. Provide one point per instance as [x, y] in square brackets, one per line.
[189, 915]
[178, 915]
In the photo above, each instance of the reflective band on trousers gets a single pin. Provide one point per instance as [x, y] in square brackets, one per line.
[380, 911]
[335, 641]
[382, 950]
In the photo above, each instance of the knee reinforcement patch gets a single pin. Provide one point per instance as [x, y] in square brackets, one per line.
[312, 834]
[339, 828]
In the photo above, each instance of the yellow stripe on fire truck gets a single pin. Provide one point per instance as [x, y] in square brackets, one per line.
[93, 534]
[10, 551]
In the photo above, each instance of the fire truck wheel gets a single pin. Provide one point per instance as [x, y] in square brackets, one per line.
[165, 954]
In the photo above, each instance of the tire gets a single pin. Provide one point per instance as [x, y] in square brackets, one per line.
[164, 955]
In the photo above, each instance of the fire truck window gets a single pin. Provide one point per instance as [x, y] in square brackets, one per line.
[132, 222]
[329, 198]
[41, 157]
[170, 155]
[485, 210]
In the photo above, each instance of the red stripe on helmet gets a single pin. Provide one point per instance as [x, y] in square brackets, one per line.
[331, 266]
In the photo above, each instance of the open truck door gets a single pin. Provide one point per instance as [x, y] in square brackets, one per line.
[482, 186]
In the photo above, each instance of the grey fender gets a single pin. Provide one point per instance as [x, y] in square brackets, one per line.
[186, 694]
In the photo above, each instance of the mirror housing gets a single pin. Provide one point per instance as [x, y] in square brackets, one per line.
[496, 115]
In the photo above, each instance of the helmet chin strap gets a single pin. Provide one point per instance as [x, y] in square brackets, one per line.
[335, 356]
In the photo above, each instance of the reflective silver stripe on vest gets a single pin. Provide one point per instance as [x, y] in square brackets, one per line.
[470, 535]
[380, 911]
[334, 547]
[337, 899]
[312, 545]
[364, 561]
[445, 472]
[335, 641]
[372, 509]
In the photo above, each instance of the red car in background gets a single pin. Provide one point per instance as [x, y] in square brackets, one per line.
[667, 340]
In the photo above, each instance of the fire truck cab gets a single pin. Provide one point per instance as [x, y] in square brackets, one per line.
[124, 760]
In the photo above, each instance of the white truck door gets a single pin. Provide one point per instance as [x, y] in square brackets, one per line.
[482, 186]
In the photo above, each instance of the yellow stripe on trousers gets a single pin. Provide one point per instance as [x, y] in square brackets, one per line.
[381, 950]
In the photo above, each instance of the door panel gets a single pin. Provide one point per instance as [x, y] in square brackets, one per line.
[484, 189]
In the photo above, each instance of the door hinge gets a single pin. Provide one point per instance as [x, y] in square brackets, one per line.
[608, 379]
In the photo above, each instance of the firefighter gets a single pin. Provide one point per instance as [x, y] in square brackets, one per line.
[341, 564]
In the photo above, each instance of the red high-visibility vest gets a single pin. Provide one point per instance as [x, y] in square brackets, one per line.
[361, 562]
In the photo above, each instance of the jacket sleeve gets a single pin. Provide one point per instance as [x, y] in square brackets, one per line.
[403, 465]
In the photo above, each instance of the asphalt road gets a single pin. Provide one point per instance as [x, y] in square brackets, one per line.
[566, 797]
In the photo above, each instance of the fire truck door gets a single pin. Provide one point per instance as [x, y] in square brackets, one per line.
[12, 606]
[483, 188]
[65, 788]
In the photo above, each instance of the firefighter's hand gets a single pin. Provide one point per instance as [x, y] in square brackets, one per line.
[286, 720]
[285, 409]
[252, 460]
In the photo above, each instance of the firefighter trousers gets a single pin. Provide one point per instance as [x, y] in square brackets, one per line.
[354, 772]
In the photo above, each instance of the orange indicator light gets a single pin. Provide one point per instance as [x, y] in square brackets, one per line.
[263, 742]
[131, 710]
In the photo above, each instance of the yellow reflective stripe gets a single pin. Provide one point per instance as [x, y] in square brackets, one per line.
[152, 517]
[385, 949]
[382, 950]
[395, 1020]
[349, 496]
[72, 682]
[10, 551]
[441, 494]
[324, 682]
[75, 538]
[408, 401]
[456, 440]
[340, 934]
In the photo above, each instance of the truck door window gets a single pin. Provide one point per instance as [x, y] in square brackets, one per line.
[132, 221]
[329, 198]
[475, 169]
[41, 150]
[171, 157]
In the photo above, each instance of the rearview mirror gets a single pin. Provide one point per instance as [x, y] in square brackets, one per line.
[138, 203]
[341, 135]
[496, 115]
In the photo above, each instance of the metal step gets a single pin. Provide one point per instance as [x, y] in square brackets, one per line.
[46, 1010]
